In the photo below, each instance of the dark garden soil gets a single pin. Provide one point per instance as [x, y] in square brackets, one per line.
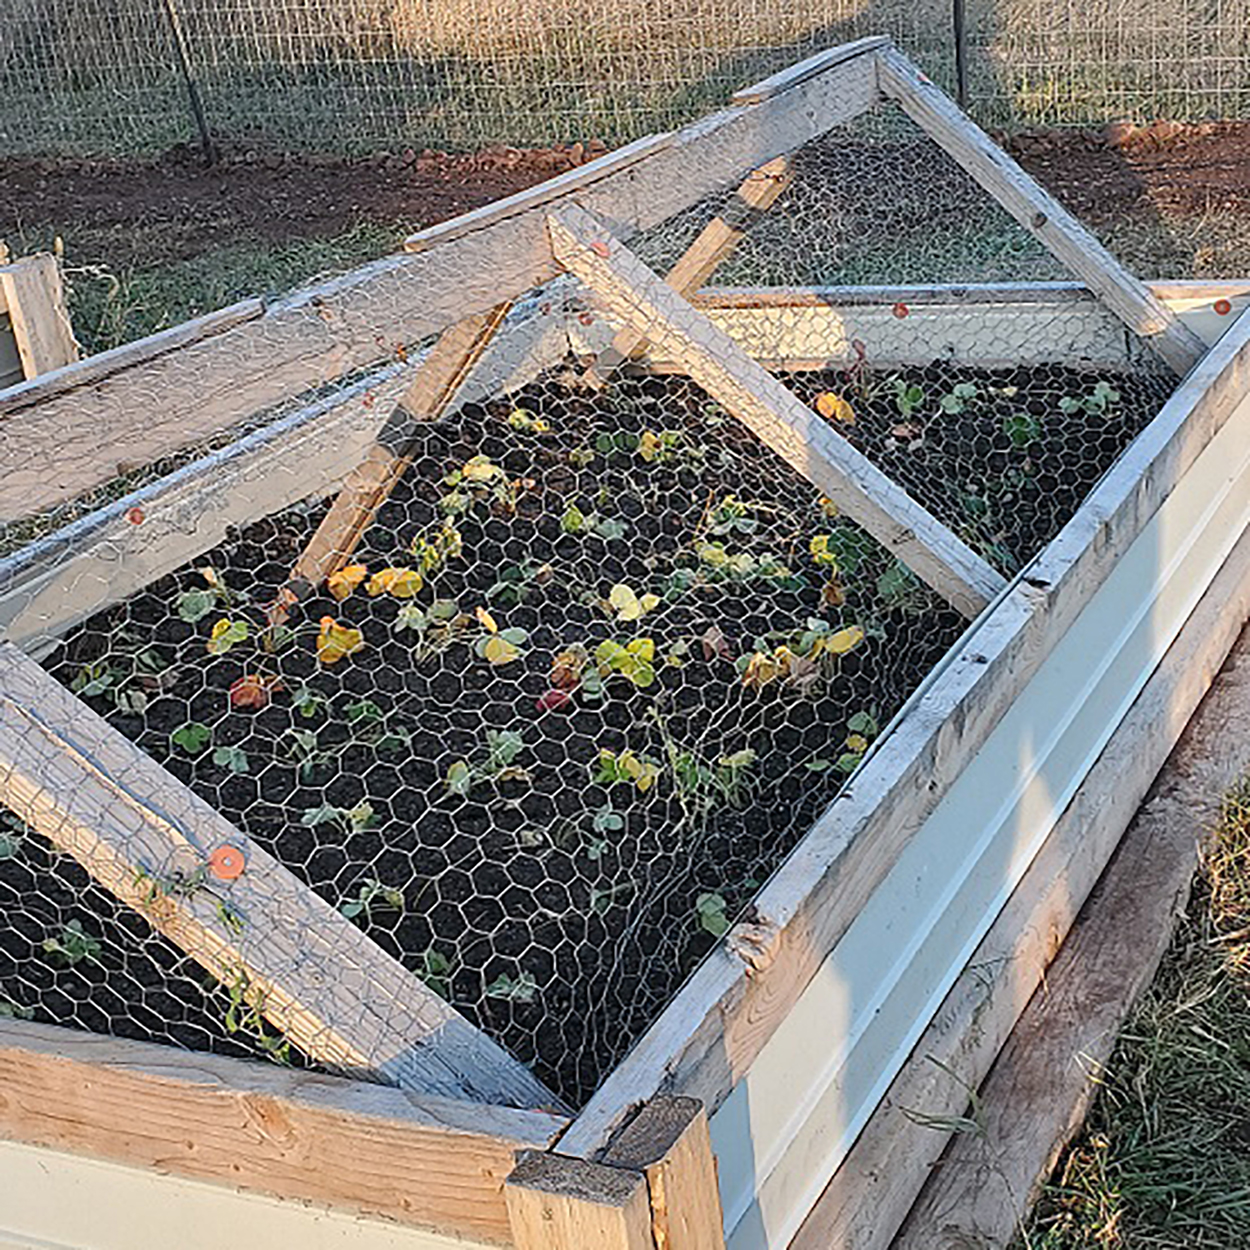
[455, 774]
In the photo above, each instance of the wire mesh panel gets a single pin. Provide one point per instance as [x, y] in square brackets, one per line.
[567, 670]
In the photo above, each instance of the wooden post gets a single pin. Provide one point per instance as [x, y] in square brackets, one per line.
[1037, 211]
[438, 379]
[289, 954]
[30, 289]
[669, 1143]
[642, 299]
[558, 1203]
[699, 261]
[653, 1189]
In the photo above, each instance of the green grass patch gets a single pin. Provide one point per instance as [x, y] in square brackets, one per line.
[1163, 1162]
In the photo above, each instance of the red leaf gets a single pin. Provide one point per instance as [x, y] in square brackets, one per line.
[553, 700]
[252, 691]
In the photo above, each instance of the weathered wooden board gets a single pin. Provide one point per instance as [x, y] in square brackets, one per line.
[430, 1162]
[711, 1034]
[57, 1201]
[782, 422]
[307, 969]
[869, 1196]
[1042, 1083]
[75, 441]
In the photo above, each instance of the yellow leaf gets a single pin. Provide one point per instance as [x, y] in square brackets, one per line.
[857, 743]
[765, 666]
[499, 650]
[481, 469]
[835, 408]
[342, 583]
[334, 641]
[641, 772]
[402, 583]
[650, 445]
[643, 648]
[627, 605]
[841, 642]
[827, 506]
[486, 620]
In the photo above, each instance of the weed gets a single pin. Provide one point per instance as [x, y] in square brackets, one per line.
[495, 762]
[519, 989]
[372, 895]
[192, 737]
[72, 945]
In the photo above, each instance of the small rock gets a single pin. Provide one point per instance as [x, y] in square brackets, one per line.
[1119, 134]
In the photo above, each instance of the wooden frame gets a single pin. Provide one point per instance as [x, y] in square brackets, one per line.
[924, 833]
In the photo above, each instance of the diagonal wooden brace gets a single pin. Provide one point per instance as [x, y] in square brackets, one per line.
[641, 299]
[716, 241]
[439, 376]
[246, 919]
[1037, 211]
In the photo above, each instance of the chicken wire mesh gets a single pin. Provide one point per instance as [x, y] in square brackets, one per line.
[603, 656]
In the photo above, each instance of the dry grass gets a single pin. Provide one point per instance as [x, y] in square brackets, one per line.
[1163, 1162]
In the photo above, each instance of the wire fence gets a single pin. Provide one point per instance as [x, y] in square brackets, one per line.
[105, 77]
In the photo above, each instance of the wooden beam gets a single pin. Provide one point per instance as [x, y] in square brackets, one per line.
[1036, 210]
[642, 300]
[870, 1195]
[429, 1162]
[557, 1203]
[438, 378]
[818, 63]
[718, 1023]
[668, 1142]
[73, 442]
[100, 366]
[699, 261]
[35, 300]
[1044, 1079]
[312, 973]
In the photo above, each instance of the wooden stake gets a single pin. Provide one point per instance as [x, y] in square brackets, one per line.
[210, 889]
[31, 290]
[699, 261]
[641, 299]
[558, 1203]
[668, 1141]
[1037, 211]
[439, 377]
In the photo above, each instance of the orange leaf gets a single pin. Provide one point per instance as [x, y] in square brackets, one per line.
[253, 691]
[486, 621]
[342, 583]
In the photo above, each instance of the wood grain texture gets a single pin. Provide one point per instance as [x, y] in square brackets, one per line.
[73, 442]
[429, 395]
[668, 1142]
[430, 1162]
[1036, 210]
[715, 242]
[1041, 1084]
[98, 367]
[641, 299]
[557, 1203]
[732, 1004]
[818, 63]
[35, 301]
[868, 1198]
[312, 973]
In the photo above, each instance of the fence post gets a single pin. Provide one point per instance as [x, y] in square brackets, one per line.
[959, 22]
[193, 91]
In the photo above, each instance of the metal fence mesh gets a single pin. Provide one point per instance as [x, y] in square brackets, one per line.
[90, 76]
[604, 656]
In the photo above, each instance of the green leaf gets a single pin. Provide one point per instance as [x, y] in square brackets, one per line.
[521, 989]
[192, 737]
[710, 908]
[233, 758]
[194, 605]
[460, 778]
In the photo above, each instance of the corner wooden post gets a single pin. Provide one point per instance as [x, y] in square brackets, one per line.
[31, 291]
[669, 1143]
[558, 1203]
[654, 1188]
